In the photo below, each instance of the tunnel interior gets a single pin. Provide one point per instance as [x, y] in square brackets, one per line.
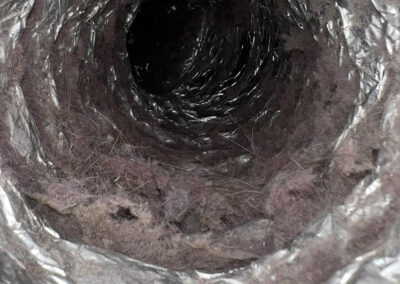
[161, 38]
[195, 134]
[199, 64]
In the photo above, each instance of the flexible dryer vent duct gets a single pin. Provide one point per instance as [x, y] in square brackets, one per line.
[199, 141]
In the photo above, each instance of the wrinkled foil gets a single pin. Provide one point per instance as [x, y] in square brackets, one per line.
[368, 30]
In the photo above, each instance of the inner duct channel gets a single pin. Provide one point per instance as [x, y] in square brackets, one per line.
[162, 37]
[201, 67]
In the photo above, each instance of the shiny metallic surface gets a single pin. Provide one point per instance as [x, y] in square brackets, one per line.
[366, 30]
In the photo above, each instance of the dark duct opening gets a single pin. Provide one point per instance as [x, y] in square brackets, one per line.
[162, 36]
[200, 67]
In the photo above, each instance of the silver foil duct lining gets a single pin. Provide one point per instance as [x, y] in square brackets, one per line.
[367, 30]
